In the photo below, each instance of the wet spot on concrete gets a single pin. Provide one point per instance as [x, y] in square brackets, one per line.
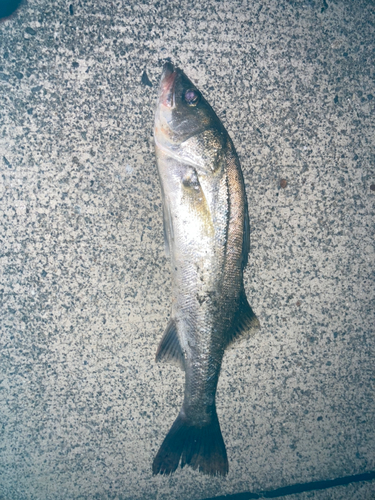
[8, 7]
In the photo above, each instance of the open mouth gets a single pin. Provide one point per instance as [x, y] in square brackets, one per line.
[167, 85]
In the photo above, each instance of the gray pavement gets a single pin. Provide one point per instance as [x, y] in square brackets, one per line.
[84, 282]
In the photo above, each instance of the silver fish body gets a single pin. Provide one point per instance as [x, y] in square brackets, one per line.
[206, 229]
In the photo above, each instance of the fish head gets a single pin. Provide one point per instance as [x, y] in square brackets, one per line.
[186, 127]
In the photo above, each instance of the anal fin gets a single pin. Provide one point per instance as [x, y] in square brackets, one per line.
[245, 323]
[170, 348]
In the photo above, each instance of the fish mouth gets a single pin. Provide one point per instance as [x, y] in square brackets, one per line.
[167, 85]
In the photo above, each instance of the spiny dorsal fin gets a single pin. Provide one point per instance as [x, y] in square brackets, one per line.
[245, 322]
[246, 238]
[169, 348]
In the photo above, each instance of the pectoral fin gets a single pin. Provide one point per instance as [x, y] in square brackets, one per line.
[170, 348]
[245, 322]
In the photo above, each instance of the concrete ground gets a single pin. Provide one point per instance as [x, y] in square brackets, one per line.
[84, 282]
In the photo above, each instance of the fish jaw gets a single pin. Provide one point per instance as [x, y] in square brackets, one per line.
[166, 90]
[166, 102]
[163, 116]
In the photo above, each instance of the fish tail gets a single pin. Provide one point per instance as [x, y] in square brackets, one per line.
[200, 446]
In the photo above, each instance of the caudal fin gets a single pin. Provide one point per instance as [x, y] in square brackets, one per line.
[201, 447]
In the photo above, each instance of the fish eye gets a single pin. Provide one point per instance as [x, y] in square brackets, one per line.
[191, 97]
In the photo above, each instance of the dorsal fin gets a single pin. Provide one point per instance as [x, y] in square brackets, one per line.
[246, 238]
[245, 323]
[170, 348]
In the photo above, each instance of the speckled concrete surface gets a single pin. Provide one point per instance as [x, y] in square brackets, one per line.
[85, 285]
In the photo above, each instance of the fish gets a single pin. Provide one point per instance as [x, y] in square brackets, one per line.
[207, 238]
